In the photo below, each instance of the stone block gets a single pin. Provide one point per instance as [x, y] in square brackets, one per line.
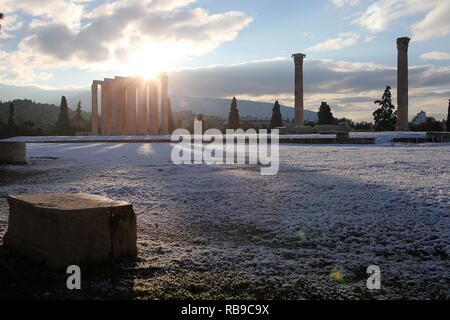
[12, 152]
[59, 230]
[342, 135]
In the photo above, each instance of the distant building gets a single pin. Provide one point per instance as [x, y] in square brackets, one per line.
[421, 117]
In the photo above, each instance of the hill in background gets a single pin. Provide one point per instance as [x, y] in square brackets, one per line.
[43, 115]
[206, 106]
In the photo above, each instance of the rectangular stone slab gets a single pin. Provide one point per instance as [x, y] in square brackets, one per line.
[64, 229]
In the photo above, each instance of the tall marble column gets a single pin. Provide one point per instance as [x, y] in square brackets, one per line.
[131, 109]
[298, 85]
[142, 108]
[119, 106]
[94, 113]
[115, 107]
[107, 107]
[164, 104]
[123, 107]
[402, 84]
[153, 108]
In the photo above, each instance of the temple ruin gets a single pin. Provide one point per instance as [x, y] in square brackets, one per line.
[129, 106]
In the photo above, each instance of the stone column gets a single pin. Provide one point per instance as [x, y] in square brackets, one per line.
[153, 108]
[123, 107]
[298, 85]
[107, 88]
[131, 109]
[103, 109]
[402, 84]
[164, 104]
[115, 106]
[94, 113]
[119, 106]
[142, 108]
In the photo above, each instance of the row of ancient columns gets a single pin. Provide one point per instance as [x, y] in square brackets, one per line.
[129, 106]
[402, 85]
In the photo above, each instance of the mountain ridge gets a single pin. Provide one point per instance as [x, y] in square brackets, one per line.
[205, 105]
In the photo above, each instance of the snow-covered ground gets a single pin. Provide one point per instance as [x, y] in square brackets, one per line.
[218, 231]
[380, 137]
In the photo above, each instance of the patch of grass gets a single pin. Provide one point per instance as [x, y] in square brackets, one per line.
[336, 274]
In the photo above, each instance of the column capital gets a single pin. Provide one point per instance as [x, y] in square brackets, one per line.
[298, 58]
[95, 83]
[402, 43]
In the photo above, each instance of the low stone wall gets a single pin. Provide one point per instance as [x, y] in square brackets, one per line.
[329, 129]
[59, 230]
[13, 152]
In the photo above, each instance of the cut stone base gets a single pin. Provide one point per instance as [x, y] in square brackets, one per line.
[325, 128]
[59, 230]
[13, 152]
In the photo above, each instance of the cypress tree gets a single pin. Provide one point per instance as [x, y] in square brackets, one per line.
[448, 117]
[170, 121]
[63, 123]
[325, 116]
[12, 127]
[78, 117]
[276, 120]
[233, 118]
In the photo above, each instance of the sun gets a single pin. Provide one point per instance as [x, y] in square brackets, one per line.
[153, 58]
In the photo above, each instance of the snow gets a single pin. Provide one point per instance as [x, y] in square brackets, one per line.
[380, 137]
[215, 231]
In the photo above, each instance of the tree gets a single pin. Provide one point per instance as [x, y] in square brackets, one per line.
[276, 120]
[12, 126]
[363, 125]
[430, 124]
[79, 123]
[233, 118]
[1, 18]
[385, 117]
[169, 112]
[448, 116]
[63, 123]
[78, 116]
[325, 116]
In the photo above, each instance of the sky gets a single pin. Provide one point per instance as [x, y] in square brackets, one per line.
[216, 48]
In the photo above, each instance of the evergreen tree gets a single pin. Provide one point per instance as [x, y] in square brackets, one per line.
[324, 116]
[233, 118]
[63, 123]
[430, 124]
[12, 126]
[385, 117]
[78, 117]
[276, 120]
[1, 18]
[169, 112]
[79, 123]
[448, 116]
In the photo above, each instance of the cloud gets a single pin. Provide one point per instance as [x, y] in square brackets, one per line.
[58, 11]
[121, 35]
[381, 13]
[344, 40]
[349, 87]
[341, 3]
[435, 24]
[436, 55]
